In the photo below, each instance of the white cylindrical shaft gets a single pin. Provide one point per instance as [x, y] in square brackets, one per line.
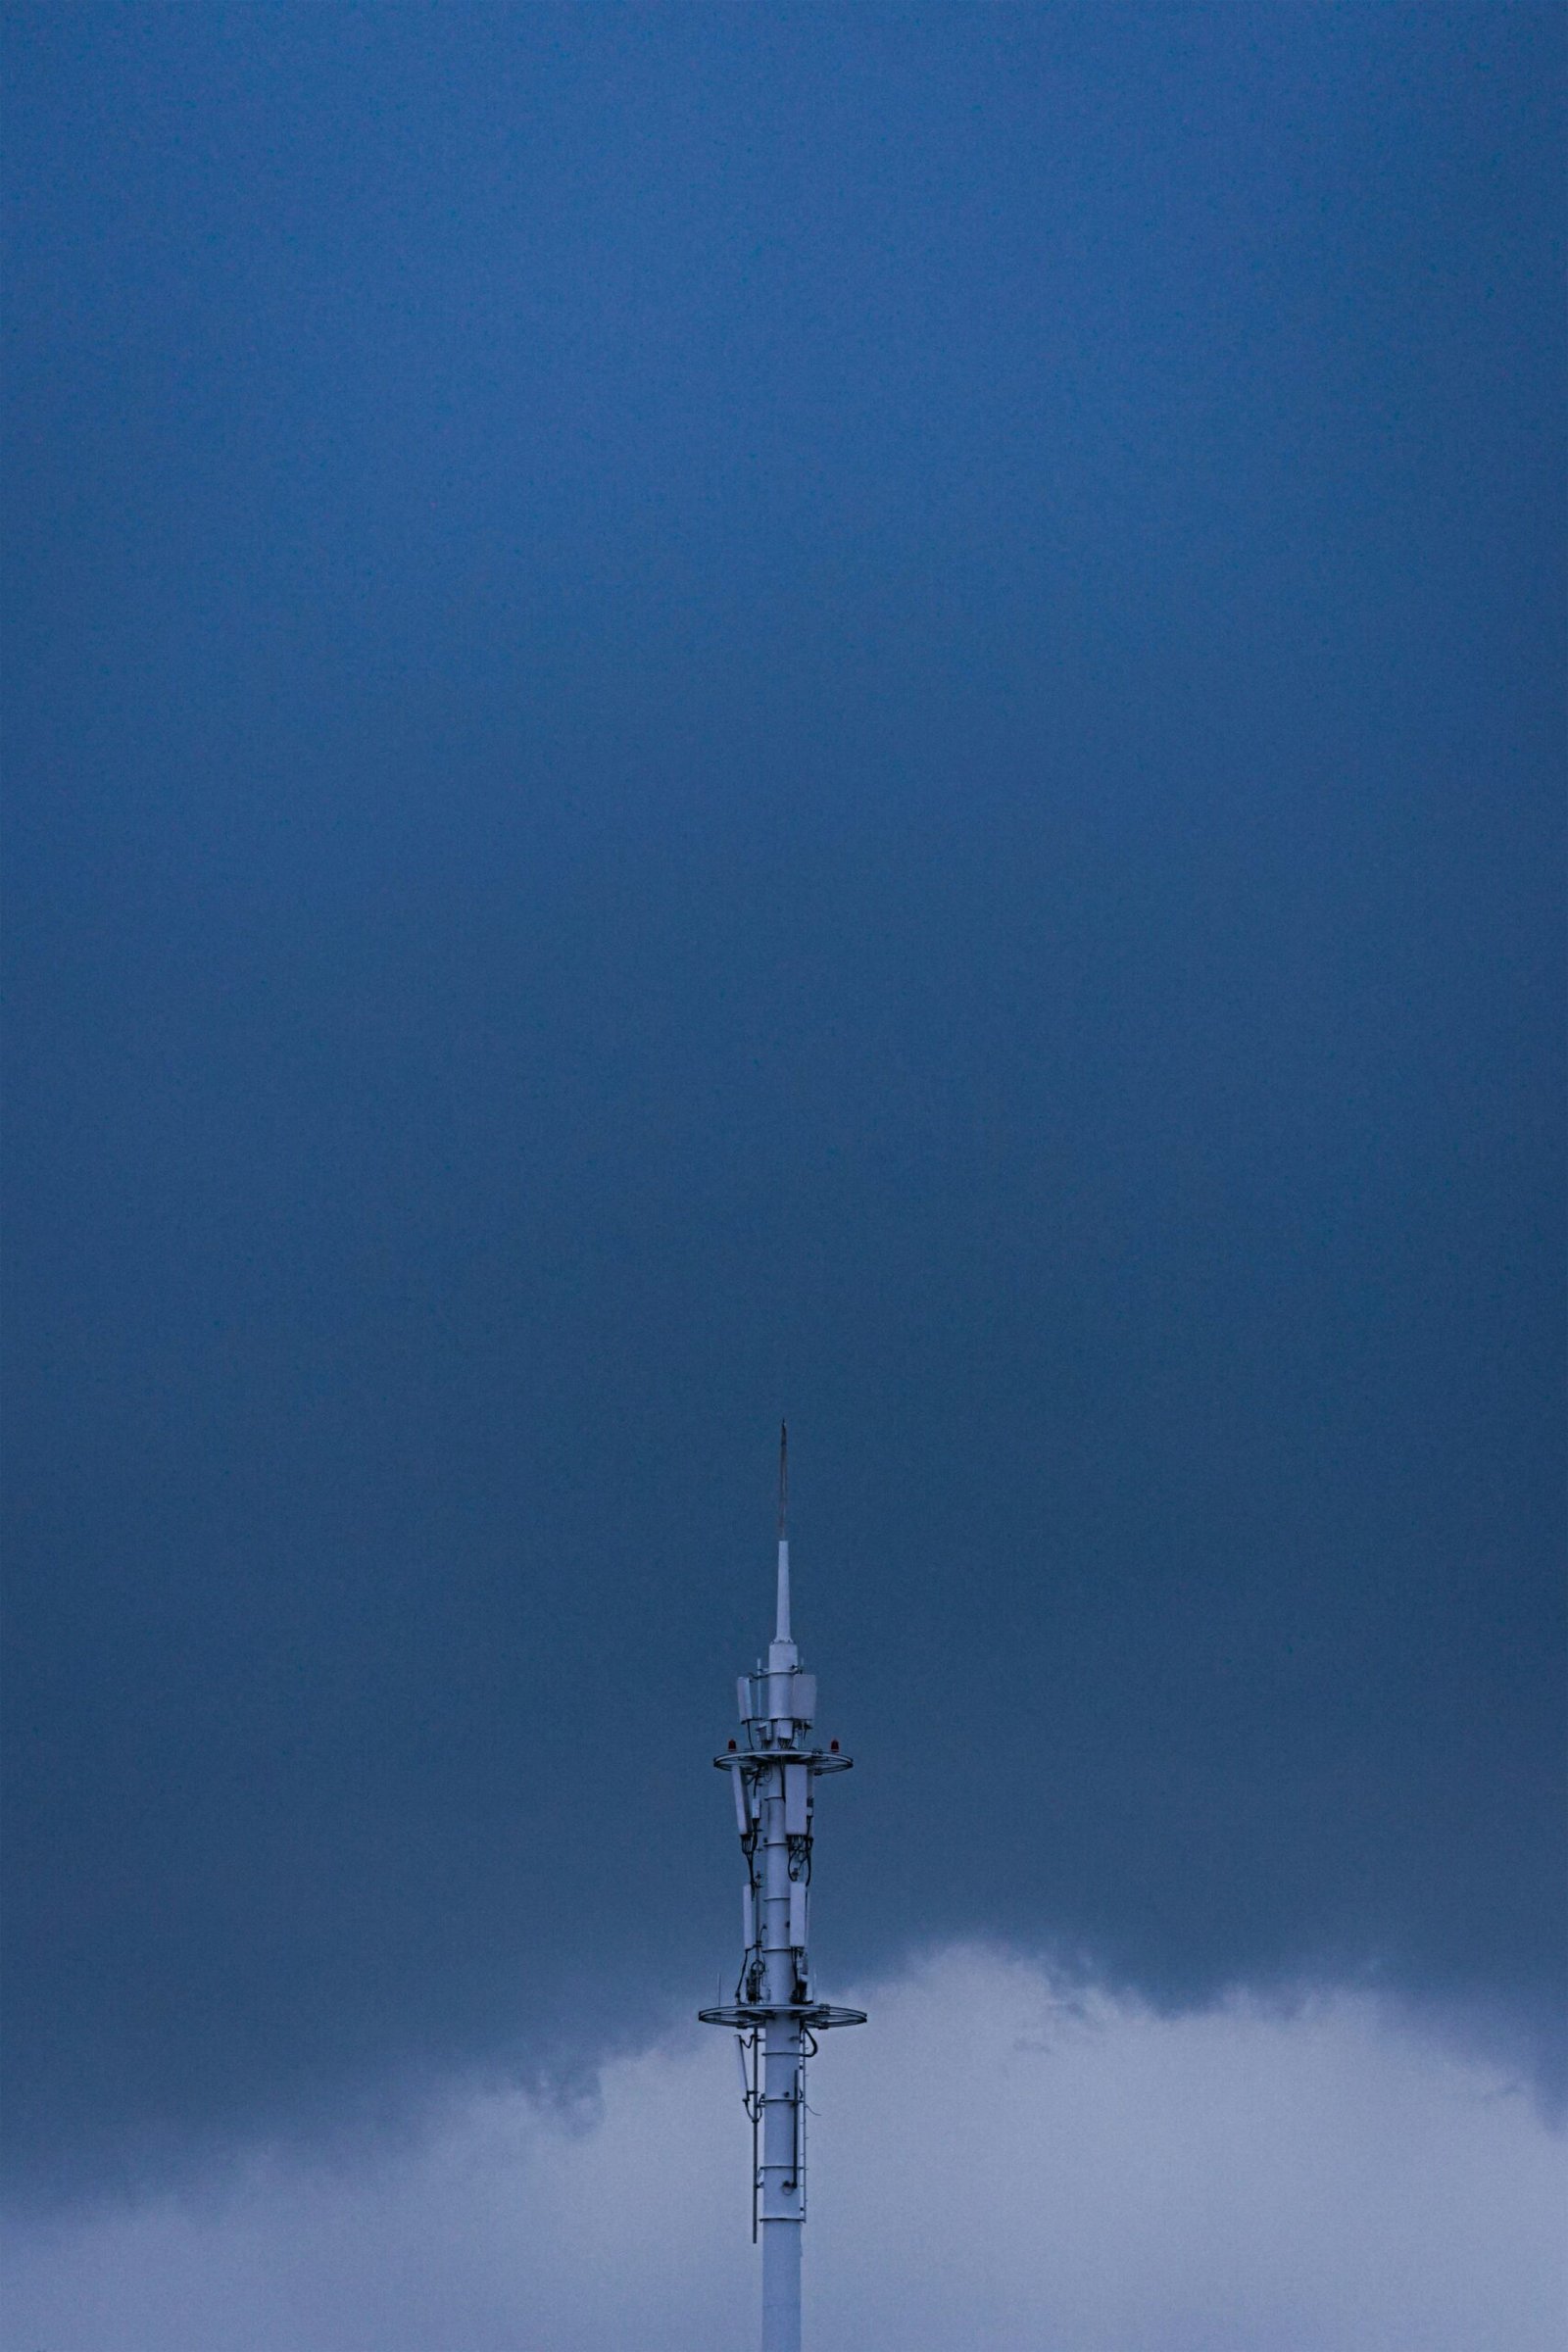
[783, 2190]
[781, 2286]
[781, 2185]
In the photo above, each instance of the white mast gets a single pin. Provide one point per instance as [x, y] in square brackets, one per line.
[773, 2015]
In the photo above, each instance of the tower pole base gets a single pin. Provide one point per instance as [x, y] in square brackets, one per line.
[781, 2286]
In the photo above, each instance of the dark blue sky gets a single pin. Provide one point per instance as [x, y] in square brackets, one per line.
[722, 710]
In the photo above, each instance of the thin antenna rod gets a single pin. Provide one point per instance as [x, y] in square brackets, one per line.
[783, 1624]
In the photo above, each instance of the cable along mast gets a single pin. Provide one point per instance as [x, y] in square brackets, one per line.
[773, 1771]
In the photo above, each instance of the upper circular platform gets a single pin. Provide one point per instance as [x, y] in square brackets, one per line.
[820, 1759]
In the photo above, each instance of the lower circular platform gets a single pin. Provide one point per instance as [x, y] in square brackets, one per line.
[819, 2016]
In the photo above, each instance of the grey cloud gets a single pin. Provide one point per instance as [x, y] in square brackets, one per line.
[1003, 2159]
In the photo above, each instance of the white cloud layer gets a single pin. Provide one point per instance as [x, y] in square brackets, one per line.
[999, 2163]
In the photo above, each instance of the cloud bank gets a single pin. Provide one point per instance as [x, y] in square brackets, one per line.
[1003, 2161]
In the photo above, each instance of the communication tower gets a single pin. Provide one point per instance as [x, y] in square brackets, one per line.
[773, 1771]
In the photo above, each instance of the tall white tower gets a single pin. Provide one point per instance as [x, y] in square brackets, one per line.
[773, 1770]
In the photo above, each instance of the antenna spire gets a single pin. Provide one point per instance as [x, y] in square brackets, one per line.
[783, 1632]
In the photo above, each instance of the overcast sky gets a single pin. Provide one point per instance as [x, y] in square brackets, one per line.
[725, 710]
